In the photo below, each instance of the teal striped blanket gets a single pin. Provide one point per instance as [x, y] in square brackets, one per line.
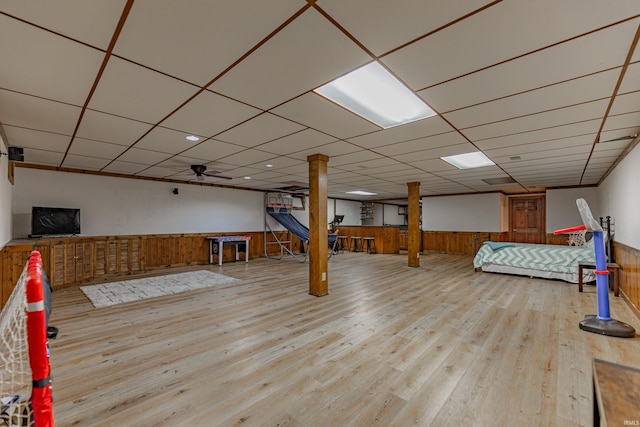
[555, 258]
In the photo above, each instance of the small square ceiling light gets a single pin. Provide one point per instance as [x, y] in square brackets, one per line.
[376, 95]
[476, 159]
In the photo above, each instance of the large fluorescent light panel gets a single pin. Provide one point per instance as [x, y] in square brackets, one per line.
[476, 159]
[375, 94]
[362, 193]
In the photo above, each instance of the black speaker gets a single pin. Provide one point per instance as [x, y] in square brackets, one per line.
[16, 154]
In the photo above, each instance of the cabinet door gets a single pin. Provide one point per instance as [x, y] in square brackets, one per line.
[63, 264]
[83, 262]
[402, 239]
[71, 263]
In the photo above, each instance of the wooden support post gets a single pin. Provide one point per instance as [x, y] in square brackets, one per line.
[414, 234]
[318, 239]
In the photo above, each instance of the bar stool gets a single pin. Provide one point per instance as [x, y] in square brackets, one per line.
[343, 242]
[355, 244]
[370, 243]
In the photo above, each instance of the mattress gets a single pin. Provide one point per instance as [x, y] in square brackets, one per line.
[544, 261]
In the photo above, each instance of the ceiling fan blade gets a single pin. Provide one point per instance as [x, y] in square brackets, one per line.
[216, 174]
[220, 176]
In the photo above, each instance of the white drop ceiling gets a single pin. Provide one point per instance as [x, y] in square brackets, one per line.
[114, 87]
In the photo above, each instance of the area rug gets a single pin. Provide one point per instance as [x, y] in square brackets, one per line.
[137, 289]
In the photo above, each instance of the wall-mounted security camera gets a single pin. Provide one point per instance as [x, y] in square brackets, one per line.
[175, 191]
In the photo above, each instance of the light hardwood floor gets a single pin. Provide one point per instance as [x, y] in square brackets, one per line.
[390, 345]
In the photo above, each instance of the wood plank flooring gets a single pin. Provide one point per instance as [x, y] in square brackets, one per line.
[389, 346]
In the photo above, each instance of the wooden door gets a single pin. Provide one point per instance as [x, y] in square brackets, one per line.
[527, 219]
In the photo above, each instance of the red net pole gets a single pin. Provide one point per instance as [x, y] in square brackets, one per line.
[41, 402]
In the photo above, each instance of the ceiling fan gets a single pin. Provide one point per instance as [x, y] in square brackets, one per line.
[622, 138]
[201, 171]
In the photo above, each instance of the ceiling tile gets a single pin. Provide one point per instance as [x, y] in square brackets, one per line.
[209, 114]
[124, 167]
[356, 157]
[631, 81]
[215, 34]
[282, 68]
[143, 157]
[626, 103]
[131, 91]
[109, 128]
[583, 90]
[304, 140]
[479, 41]
[91, 22]
[317, 113]
[43, 157]
[40, 56]
[85, 162]
[436, 153]
[420, 144]
[565, 61]
[265, 127]
[36, 113]
[165, 140]
[580, 119]
[419, 129]
[247, 157]
[211, 150]
[332, 150]
[27, 138]
[503, 154]
[553, 133]
[383, 25]
[96, 149]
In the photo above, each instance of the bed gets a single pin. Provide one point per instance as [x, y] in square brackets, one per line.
[544, 261]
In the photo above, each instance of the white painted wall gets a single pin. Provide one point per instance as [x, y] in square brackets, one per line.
[619, 199]
[6, 190]
[562, 212]
[120, 206]
[350, 210]
[391, 216]
[473, 212]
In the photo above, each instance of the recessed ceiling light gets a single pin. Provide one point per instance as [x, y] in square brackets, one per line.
[375, 94]
[269, 165]
[361, 193]
[193, 138]
[476, 159]
[247, 177]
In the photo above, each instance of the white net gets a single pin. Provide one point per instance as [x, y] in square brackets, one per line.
[577, 238]
[15, 371]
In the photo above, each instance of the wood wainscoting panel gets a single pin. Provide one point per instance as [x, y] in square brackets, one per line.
[386, 237]
[13, 260]
[628, 259]
[456, 242]
[72, 261]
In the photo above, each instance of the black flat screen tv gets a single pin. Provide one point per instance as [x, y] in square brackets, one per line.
[50, 221]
